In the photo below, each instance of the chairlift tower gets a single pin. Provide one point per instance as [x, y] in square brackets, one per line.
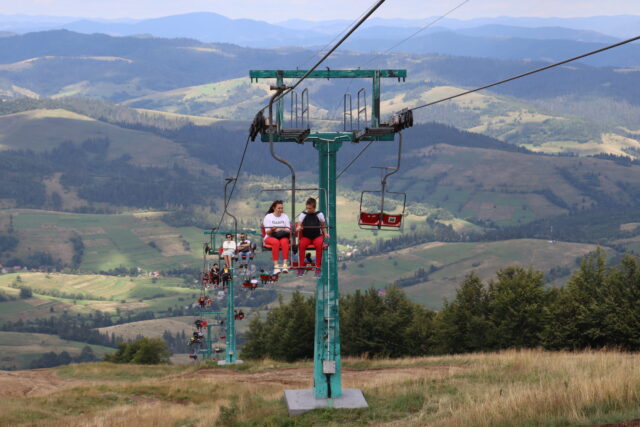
[327, 377]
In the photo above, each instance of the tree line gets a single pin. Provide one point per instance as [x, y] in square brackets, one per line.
[599, 307]
[51, 359]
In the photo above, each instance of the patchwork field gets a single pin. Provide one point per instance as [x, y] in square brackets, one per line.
[18, 349]
[110, 240]
[91, 292]
[152, 328]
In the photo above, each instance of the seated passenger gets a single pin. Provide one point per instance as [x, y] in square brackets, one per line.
[245, 250]
[313, 226]
[277, 227]
[214, 275]
[228, 250]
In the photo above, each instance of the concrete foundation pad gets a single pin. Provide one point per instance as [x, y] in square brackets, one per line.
[301, 401]
[224, 362]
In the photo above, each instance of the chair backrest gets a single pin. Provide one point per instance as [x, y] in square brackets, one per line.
[372, 219]
[263, 231]
[391, 220]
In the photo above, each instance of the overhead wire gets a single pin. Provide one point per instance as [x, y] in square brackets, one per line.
[528, 73]
[326, 55]
[421, 29]
[333, 39]
[359, 22]
[376, 56]
[235, 181]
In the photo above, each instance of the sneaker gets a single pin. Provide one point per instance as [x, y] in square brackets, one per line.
[300, 272]
[276, 269]
[285, 266]
[318, 272]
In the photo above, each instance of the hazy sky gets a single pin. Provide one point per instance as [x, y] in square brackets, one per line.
[279, 10]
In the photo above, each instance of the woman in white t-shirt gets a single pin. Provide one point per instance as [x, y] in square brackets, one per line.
[277, 227]
[228, 250]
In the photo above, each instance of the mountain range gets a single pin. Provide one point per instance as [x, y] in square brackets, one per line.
[377, 33]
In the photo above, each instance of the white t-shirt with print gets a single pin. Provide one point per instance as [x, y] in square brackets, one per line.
[229, 245]
[272, 221]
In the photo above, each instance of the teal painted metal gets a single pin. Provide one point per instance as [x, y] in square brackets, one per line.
[230, 351]
[375, 105]
[327, 370]
[326, 74]
[375, 75]
[207, 352]
[338, 136]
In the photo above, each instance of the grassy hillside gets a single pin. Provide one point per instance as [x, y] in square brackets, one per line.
[508, 388]
[451, 262]
[45, 129]
[20, 348]
[513, 188]
[151, 328]
[110, 241]
[446, 263]
[91, 292]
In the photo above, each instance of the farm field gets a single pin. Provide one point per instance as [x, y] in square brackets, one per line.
[449, 263]
[110, 241]
[84, 293]
[453, 261]
[529, 387]
[20, 348]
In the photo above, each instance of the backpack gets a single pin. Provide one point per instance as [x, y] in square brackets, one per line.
[311, 225]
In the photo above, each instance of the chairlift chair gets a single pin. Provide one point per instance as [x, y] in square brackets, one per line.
[381, 220]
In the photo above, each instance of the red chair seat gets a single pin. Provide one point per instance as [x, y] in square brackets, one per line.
[370, 219]
[391, 220]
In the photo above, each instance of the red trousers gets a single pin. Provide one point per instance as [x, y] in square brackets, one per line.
[317, 243]
[276, 245]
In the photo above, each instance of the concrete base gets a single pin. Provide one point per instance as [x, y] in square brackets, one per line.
[301, 401]
[224, 362]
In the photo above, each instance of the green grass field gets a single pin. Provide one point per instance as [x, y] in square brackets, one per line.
[20, 348]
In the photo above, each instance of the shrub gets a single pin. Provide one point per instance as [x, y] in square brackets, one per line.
[144, 351]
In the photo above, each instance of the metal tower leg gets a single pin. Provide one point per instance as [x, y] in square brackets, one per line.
[327, 371]
[230, 353]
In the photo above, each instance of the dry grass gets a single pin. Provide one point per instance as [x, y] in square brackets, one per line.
[508, 388]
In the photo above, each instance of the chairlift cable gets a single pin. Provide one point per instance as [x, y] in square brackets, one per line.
[575, 58]
[421, 29]
[528, 73]
[333, 39]
[326, 55]
[235, 181]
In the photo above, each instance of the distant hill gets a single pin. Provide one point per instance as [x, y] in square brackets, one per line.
[503, 43]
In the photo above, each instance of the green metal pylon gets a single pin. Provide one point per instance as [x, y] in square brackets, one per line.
[327, 371]
[230, 352]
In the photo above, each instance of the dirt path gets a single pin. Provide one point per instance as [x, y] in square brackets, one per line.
[35, 382]
[303, 377]
[40, 382]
